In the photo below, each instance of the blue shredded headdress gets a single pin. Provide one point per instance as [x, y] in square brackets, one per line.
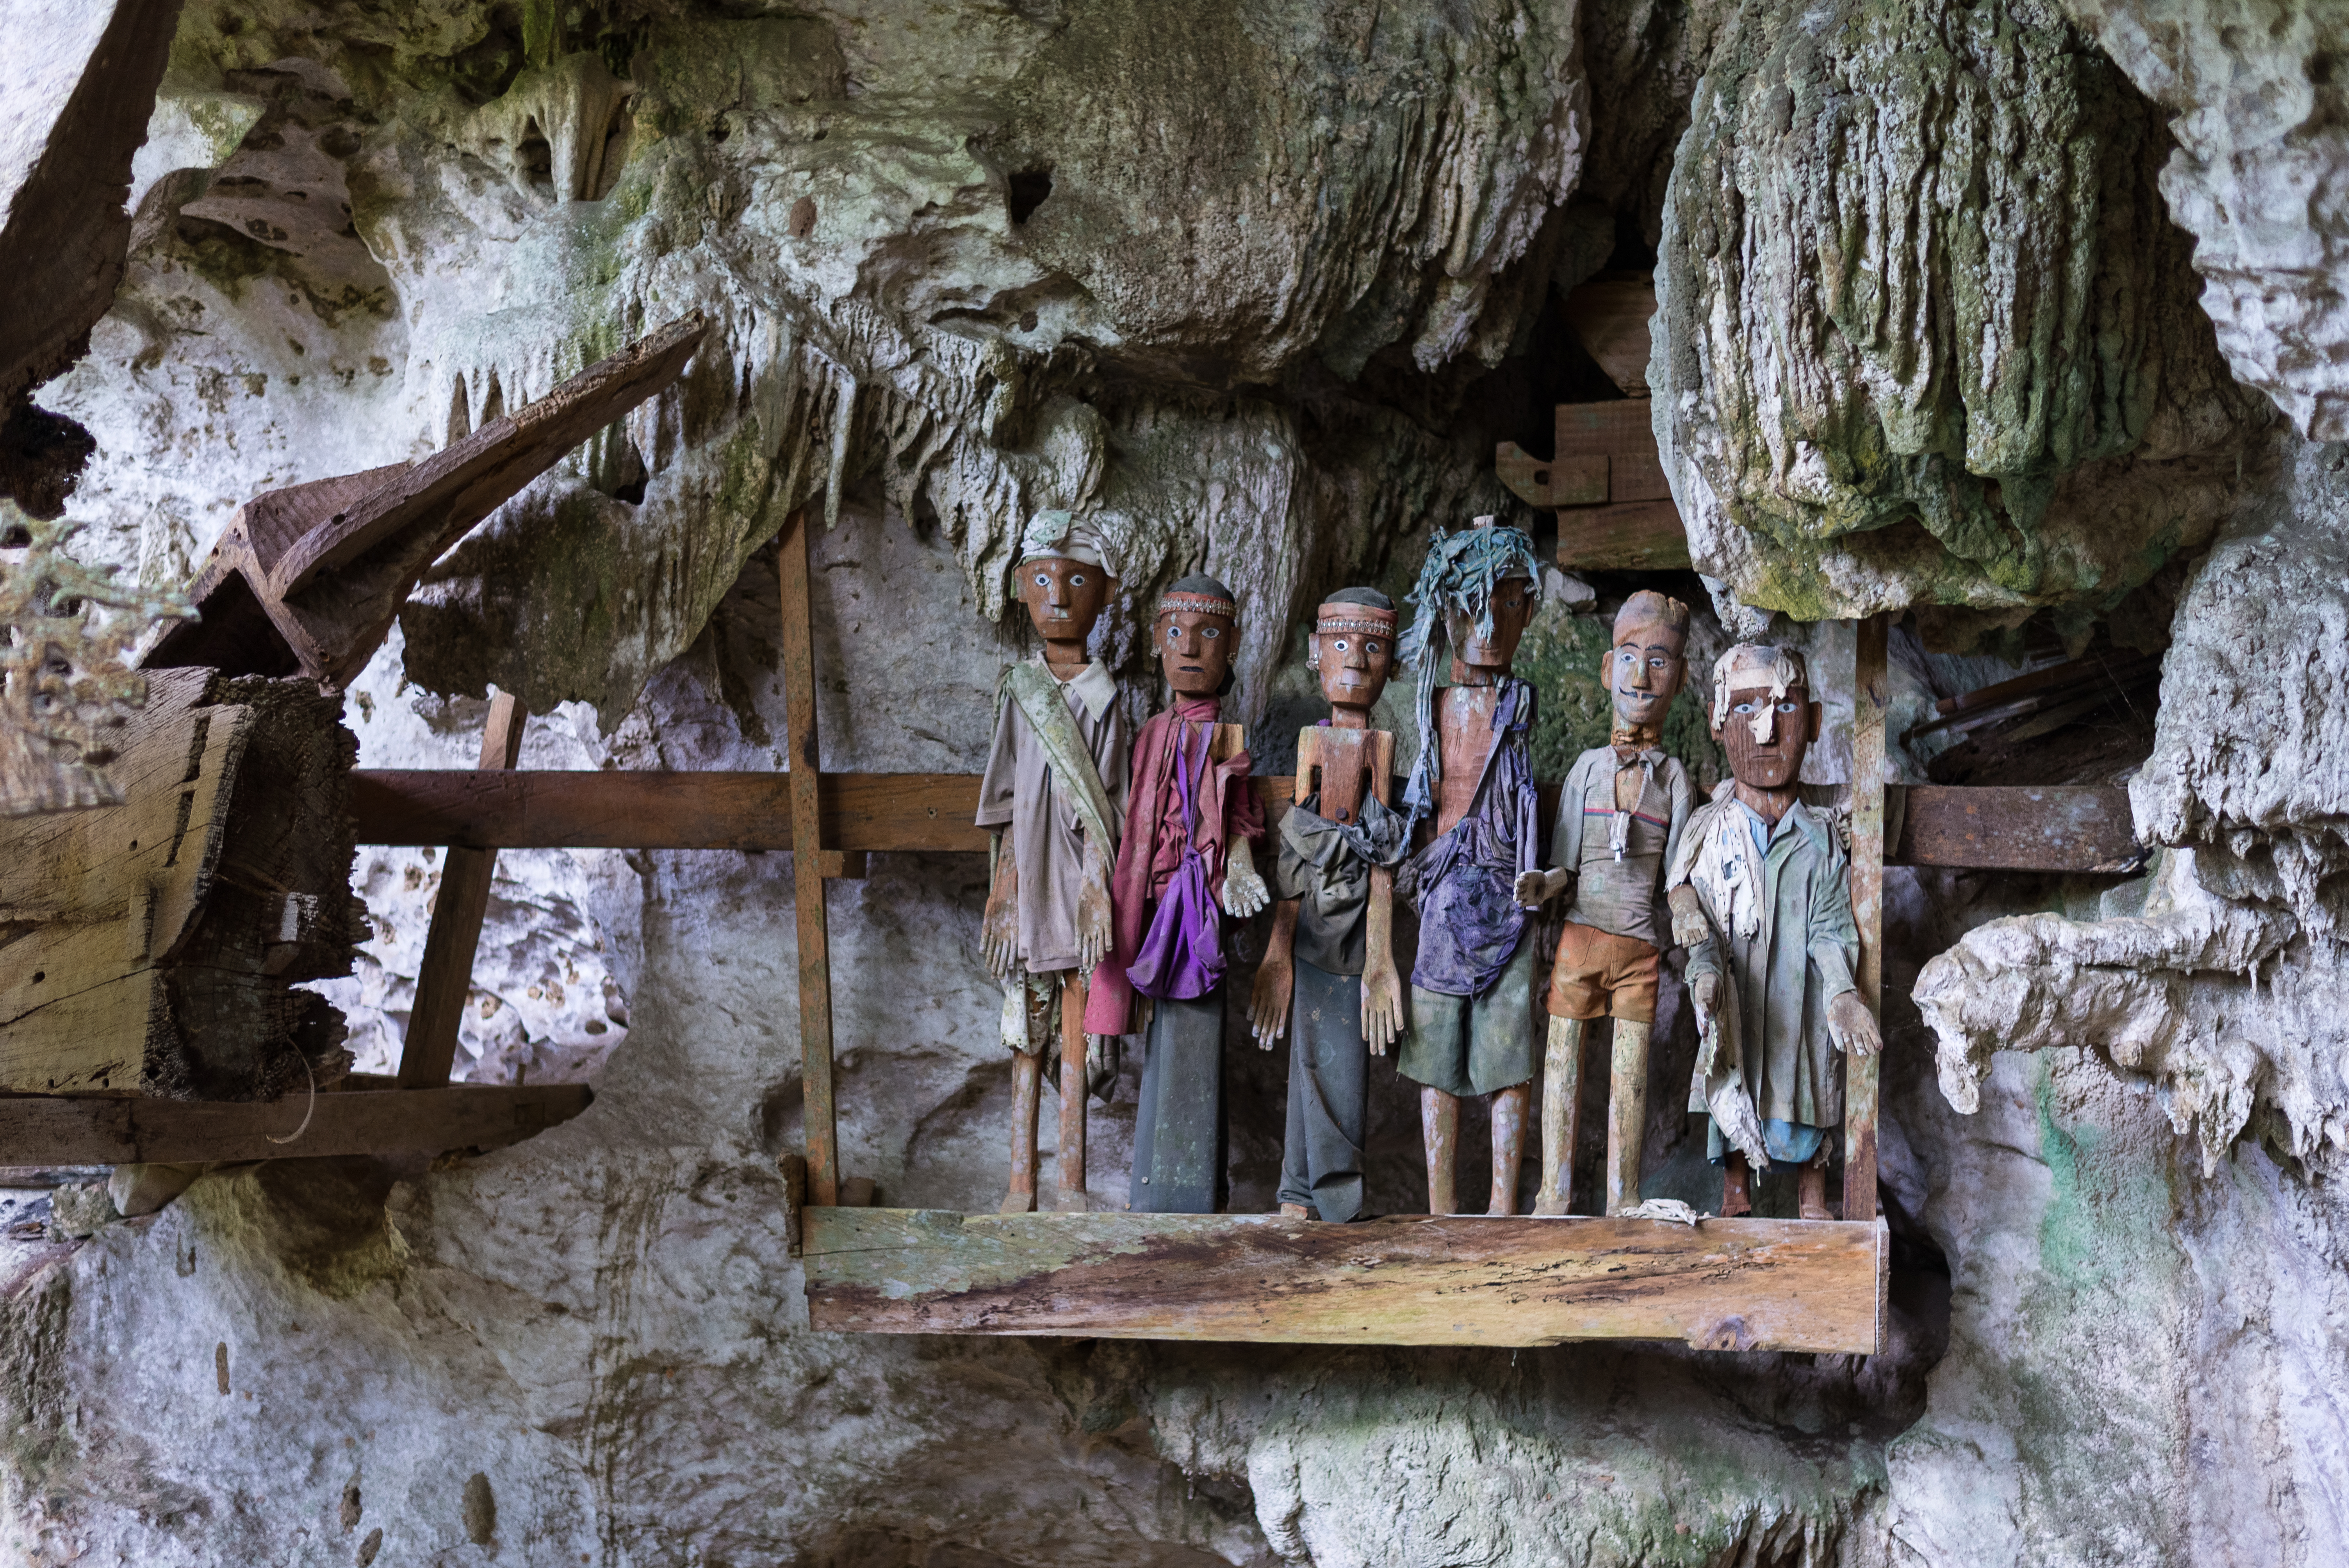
[1460, 572]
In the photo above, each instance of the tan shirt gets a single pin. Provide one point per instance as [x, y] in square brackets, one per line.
[1046, 844]
[1621, 897]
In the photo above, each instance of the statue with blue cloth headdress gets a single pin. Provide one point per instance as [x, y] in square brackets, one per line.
[1471, 988]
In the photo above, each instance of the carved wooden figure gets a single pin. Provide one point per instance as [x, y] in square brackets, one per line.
[1329, 974]
[1056, 783]
[1472, 986]
[1760, 893]
[1620, 817]
[1184, 861]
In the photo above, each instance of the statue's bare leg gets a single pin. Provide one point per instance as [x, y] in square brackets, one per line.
[1811, 1190]
[1561, 1095]
[1072, 1094]
[1627, 1114]
[1026, 1087]
[1509, 1108]
[1439, 1126]
[1737, 1187]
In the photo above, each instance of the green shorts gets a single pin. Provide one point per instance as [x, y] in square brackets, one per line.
[1474, 1045]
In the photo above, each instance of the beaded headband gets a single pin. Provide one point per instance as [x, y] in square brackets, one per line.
[1350, 617]
[1197, 603]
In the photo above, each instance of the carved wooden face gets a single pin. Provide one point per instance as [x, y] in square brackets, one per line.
[1788, 723]
[1064, 597]
[1513, 607]
[1643, 673]
[1354, 666]
[1196, 649]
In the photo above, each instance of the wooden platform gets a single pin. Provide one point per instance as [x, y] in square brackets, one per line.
[1725, 1284]
[93, 1130]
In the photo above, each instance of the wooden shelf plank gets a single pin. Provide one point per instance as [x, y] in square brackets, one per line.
[1726, 1284]
[58, 1130]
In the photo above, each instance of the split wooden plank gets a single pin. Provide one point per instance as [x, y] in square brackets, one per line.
[1609, 315]
[311, 578]
[92, 1131]
[157, 943]
[444, 978]
[1725, 1285]
[2037, 828]
[811, 864]
[1605, 479]
[1871, 690]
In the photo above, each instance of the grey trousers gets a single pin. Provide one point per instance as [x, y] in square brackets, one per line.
[1329, 1095]
[1178, 1129]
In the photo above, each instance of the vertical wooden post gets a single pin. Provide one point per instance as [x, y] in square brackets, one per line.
[445, 978]
[1871, 690]
[1072, 1096]
[808, 866]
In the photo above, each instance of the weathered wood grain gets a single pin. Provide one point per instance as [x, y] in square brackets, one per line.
[1872, 688]
[1726, 1284]
[1609, 315]
[2038, 827]
[804, 784]
[444, 979]
[98, 1131]
[1630, 536]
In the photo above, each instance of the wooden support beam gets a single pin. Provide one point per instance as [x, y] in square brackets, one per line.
[55, 1129]
[1724, 1285]
[2036, 827]
[444, 978]
[2059, 829]
[1871, 690]
[813, 866]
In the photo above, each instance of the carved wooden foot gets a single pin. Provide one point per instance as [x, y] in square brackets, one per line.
[1812, 1194]
[1737, 1187]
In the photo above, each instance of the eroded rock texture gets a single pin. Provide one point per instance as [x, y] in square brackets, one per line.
[1926, 333]
[2259, 177]
[1257, 282]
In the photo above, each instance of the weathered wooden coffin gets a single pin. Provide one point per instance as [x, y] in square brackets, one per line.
[1725, 1285]
[153, 948]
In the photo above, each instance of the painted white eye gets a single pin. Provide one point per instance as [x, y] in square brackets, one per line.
[1338, 643]
[1789, 707]
[1211, 632]
[1076, 578]
[1174, 634]
[1043, 580]
[1370, 647]
[1742, 708]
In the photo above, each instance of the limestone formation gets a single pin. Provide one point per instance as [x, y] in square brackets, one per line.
[2258, 177]
[1926, 333]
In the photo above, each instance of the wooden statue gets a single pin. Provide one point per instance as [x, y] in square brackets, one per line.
[1471, 988]
[1186, 861]
[1056, 778]
[1335, 876]
[1760, 892]
[1619, 817]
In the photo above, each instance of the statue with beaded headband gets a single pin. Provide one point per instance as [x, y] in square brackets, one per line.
[1055, 785]
[1186, 859]
[1760, 894]
[1329, 977]
[1619, 817]
[1472, 988]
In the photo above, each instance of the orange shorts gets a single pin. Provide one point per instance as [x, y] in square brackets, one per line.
[1599, 975]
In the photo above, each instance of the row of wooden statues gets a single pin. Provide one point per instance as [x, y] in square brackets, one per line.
[1118, 860]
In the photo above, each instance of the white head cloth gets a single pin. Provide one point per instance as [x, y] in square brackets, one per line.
[1057, 535]
[1751, 664]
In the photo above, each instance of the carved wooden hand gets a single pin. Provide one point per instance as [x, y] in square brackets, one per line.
[1852, 1026]
[1276, 980]
[1534, 888]
[1244, 891]
[1381, 1006]
[1093, 927]
[1689, 924]
[999, 929]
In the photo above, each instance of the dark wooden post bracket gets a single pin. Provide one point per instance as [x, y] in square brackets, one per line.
[445, 977]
